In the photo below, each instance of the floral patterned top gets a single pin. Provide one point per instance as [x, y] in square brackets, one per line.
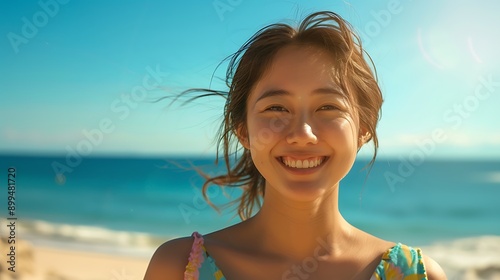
[399, 262]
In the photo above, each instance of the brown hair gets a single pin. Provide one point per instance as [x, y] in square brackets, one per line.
[324, 30]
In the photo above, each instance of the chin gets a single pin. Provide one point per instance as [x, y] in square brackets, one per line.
[305, 191]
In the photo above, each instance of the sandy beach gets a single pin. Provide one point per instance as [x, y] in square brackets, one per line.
[474, 258]
[44, 263]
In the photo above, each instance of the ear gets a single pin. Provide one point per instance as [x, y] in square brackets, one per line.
[363, 137]
[242, 134]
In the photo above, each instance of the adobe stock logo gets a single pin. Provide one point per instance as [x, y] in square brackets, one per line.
[30, 27]
[454, 118]
[198, 203]
[120, 109]
[380, 20]
[223, 6]
[310, 264]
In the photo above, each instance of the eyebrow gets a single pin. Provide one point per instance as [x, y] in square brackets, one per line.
[281, 92]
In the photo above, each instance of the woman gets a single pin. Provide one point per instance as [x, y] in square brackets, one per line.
[302, 102]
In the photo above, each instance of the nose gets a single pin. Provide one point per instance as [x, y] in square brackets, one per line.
[301, 133]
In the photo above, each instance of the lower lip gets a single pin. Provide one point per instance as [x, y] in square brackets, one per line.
[302, 171]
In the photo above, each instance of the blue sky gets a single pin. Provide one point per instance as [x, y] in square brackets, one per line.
[71, 68]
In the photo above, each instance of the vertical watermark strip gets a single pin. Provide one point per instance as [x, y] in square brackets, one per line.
[11, 218]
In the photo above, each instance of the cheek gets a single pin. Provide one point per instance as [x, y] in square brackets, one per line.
[264, 131]
[343, 132]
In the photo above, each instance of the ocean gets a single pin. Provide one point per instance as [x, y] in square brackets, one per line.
[132, 205]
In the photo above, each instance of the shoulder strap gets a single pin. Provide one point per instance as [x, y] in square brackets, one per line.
[196, 258]
[401, 261]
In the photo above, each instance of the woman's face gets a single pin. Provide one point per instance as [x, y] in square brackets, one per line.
[301, 131]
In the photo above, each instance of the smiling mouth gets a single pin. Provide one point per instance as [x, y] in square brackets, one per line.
[302, 163]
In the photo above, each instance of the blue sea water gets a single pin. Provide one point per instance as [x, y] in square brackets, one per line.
[119, 202]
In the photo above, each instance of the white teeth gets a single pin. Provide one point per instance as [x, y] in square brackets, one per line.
[302, 163]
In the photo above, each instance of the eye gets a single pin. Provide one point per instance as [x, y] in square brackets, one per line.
[327, 108]
[276, 108]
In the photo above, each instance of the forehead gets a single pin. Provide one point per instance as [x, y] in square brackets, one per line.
[299, 66]
[302, 54]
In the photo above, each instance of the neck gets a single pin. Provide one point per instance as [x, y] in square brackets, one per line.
[309, 226]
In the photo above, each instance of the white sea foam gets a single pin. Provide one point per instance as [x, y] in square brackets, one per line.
[492, 177]
[471, 258]
[87, 237]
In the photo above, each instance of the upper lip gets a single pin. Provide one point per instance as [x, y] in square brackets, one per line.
[302, 156]
[295, 157]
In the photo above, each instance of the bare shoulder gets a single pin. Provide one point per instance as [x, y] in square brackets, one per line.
[169, 260]
[433, 269]
[373, 243]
